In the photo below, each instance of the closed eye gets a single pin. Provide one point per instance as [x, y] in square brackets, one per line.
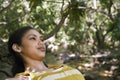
[32, 38]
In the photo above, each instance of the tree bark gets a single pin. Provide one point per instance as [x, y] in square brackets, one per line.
[57, 27]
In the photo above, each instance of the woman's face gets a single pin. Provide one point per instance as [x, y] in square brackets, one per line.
[32, 45]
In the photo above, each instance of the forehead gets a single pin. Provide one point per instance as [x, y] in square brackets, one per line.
[32, 32]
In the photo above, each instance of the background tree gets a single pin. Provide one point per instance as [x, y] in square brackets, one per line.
[90, 27]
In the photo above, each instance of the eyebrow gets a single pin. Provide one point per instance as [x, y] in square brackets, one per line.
[32, 35]
[35, 35]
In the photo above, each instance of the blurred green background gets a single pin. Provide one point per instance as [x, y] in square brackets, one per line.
[84, 34]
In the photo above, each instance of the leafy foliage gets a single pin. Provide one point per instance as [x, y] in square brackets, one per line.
[89, 26]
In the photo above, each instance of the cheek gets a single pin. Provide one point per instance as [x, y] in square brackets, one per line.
[27, 48]
[28, 44]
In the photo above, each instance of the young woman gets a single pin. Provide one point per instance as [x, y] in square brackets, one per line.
[28, 50]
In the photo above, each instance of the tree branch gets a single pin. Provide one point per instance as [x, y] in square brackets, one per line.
[101, 11]
[109, 10]
[57, 27]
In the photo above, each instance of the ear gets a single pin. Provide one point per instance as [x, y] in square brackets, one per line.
[16, 48]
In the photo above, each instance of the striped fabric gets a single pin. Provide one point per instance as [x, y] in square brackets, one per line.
[62, 73]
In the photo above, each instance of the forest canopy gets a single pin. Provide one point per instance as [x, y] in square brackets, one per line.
[87, 26]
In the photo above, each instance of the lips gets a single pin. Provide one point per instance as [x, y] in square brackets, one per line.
[42, 49]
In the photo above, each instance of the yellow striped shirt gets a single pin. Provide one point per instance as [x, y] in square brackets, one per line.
[62, 73]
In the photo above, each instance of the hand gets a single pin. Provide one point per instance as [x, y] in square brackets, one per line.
[24, 76]
[19, 78]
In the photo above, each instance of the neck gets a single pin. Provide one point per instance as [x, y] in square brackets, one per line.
[35, 66]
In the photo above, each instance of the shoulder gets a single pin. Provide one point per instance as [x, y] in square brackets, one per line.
[65, 68]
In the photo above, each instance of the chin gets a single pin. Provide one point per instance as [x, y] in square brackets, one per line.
[42, 56]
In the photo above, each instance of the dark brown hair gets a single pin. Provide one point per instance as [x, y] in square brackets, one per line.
[16, 37]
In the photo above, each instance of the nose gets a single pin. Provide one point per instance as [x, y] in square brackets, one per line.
[40, 42]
